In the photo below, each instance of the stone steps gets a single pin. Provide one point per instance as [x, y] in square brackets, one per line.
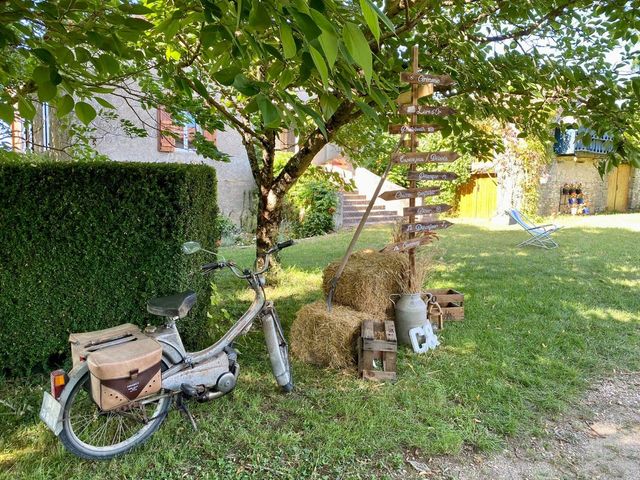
[354, 206]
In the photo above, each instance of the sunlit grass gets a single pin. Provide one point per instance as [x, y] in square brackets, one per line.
[540, 325]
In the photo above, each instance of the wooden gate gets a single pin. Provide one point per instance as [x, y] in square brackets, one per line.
[478, 197]
[618, 189]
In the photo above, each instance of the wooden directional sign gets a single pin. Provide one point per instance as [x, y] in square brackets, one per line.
[438, 111]
[420, 128]
[408, 245]
[425, 209]
[423, 91]
[425, 157]
[425, 227]
[425, 78]
[410, 193]
[417, 176]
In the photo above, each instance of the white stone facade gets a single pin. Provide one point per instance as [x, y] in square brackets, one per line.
[235, 180]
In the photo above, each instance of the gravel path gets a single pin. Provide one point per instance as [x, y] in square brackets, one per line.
[598, 439]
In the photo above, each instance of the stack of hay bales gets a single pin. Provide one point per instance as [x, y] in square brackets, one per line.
[363, 293]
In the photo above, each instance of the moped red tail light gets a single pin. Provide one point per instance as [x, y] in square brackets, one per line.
[58, 381]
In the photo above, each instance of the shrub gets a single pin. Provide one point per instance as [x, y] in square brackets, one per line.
[311, 203]
[318, 200]
[83, 246]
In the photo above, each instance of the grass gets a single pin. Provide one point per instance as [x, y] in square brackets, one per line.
[539, 326]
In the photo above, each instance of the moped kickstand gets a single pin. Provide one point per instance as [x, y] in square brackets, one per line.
[181, 405]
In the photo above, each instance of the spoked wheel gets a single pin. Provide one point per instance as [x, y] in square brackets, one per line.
[91, 433]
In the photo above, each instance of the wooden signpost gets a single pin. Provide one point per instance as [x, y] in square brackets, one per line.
[419, 128]
[410, 193]
[425, 226]
[407, 245]
[418, 176]
[425, 210]
[422, 84]
[438, 111]
[425, 157]
[417, 78]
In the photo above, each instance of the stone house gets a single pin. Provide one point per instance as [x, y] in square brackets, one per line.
[495, 187]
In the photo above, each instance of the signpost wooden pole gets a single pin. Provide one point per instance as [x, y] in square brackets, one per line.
[412, 168]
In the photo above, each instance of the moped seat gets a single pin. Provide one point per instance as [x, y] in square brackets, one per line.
[177, 305]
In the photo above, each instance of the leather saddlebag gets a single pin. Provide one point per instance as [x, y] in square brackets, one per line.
[82, 344]
[125, 372]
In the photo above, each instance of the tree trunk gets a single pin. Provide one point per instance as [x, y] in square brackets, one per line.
[269, 218]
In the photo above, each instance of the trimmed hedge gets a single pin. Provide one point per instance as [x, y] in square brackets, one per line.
[83, 246]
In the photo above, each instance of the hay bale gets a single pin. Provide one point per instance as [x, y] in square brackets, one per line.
[325, 338]
[368, 280]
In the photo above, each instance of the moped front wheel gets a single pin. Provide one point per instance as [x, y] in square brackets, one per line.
[93, 434]
[278, 350]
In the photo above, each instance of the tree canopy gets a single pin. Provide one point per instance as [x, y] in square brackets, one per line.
[315, 66]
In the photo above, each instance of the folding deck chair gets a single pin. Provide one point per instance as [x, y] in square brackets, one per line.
[540, 235]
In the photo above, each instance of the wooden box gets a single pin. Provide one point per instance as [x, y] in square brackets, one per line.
[451, 303]
[377, 350]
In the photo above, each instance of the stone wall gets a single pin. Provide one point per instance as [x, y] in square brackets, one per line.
[561, 171]
[235, 181]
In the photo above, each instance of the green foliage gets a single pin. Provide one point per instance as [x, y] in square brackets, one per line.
[318, 200]
[85, 245]
[311, 203]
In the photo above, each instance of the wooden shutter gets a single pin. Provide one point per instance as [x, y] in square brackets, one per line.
[211, 136]
[165, 143]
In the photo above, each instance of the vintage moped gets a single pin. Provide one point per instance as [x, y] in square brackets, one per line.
[92, 433]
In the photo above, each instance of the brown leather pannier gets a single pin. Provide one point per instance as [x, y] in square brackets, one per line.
[82, 344]
[125, 372]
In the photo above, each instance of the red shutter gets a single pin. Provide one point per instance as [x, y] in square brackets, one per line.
[211, 136]
[165, 143]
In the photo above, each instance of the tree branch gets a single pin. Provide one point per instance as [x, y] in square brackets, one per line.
[237, 124]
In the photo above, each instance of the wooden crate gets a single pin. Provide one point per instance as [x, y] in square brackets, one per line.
[451, 303]
[372, 348]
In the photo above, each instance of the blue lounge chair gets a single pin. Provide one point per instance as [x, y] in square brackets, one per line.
[540, 235]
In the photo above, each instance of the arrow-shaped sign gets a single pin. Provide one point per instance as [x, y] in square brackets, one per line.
[420, 128]
[410, 193]
[422, 91]
[425, 227]
[425, 157]
[438, 111]
[425, 78]
[409, 244]
[417, 176]
[425, 209]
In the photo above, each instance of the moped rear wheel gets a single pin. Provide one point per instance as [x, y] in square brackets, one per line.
[91, 433]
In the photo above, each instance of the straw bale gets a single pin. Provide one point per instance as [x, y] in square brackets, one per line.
[325, 338]
[368, 280]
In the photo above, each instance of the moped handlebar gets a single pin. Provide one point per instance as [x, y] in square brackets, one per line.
[209, 267]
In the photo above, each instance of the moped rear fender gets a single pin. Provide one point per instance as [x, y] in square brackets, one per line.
[74, 377]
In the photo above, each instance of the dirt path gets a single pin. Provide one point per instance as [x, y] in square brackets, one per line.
[598, 439]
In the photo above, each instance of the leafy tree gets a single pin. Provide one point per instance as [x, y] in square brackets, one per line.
[316, 66]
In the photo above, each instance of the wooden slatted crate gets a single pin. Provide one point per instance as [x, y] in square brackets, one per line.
[377, 344]
[451, 302]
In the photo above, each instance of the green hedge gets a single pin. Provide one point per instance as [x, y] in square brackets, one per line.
[84, 245]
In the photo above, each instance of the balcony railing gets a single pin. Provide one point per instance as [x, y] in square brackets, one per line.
[569, 142]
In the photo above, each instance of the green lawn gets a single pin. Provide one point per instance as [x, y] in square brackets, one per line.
[540, 325]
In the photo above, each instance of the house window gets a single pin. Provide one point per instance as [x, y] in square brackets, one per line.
[29, 136]
[173, 136]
